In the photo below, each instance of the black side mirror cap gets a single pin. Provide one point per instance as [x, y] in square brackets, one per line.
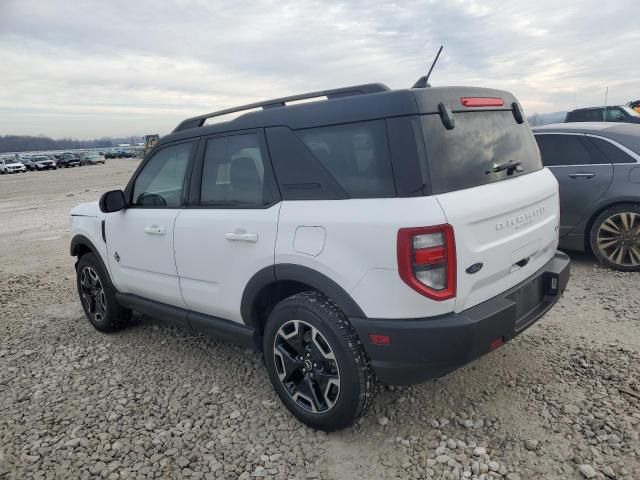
[112, 201]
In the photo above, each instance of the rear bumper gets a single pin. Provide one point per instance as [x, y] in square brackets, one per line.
[428, 348]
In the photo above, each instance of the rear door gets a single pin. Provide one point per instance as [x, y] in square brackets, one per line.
[583, 172]
[228, 232]
[504, 218]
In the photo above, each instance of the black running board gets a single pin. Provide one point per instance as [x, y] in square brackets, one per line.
[228, 330]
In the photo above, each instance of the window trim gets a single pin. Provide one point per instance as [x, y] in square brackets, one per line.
[628, 151]
[128, 191]
[270, 184]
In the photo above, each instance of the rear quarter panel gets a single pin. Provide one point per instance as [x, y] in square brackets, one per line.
[359, 250]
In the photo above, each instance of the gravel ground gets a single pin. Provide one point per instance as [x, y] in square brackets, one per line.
[559, 402]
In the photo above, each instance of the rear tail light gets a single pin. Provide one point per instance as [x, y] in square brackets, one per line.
[427, 260]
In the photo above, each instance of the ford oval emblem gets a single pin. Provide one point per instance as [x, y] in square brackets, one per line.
[475, 268]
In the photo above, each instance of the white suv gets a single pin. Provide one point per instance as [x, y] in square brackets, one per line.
[378, 235]
[11, 165]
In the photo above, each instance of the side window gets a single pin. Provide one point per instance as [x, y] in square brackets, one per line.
[564, 150]
[233, 173]
[614, 114]
[161, 181]
[356, 155]
[595, 115]
[612, 153]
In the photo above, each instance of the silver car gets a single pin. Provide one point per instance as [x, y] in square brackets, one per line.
[598, 168]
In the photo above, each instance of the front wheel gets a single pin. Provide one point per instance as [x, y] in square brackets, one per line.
[97, 296]
[615, 237]
[316, 362]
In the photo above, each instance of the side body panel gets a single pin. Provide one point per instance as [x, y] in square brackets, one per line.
[141, 253]
[354, 243]
[86, 220]
[624, 188]
[217, 253]
[581, 187]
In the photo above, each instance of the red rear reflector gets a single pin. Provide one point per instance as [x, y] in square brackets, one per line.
[378, 339]
[481, 102]
[429, 255]
[498, 342]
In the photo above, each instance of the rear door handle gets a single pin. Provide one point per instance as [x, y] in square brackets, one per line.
[582, 175]
[241, 237]
[155, 230]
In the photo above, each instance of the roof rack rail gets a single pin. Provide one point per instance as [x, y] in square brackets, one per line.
[198, 121]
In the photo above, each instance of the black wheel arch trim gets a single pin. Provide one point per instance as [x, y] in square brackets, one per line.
[297, 273]
[81, 240]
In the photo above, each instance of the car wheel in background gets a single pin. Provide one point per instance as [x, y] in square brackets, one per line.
[97, 296]
[615, 237]
[316, 362]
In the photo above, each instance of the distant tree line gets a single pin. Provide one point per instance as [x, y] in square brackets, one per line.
[23, 143]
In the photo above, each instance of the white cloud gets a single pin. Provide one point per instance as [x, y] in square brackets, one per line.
[93, 68]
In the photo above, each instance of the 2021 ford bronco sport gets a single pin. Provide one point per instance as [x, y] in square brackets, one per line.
[377, 235]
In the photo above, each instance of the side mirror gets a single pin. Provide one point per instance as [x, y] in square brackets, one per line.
[112, 201]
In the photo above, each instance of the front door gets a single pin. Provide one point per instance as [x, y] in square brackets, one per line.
[229, 232]
[584, 174]
[140, 238]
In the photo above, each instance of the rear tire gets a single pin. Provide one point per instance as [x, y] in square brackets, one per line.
[615, 237]
[98, 296]
[316, 362]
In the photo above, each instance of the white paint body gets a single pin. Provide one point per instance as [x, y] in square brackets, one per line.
[202, 259]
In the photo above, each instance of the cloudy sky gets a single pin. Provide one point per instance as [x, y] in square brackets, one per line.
[85, 69]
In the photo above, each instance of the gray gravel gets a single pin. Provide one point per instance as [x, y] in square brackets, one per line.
[560, 402]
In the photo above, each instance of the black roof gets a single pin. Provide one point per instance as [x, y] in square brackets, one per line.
[343, 105]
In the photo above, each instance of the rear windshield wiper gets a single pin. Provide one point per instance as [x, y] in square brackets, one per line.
[511, 166]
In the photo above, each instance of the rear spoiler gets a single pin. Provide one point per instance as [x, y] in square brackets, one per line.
[445, 101]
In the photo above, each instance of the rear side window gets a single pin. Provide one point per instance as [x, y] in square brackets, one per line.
[465, 156]
[233, 173]
[558, 150]
[356, 155]
[611, 152]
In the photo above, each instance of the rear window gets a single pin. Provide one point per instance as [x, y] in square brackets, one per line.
[465, 156]
[356, 155]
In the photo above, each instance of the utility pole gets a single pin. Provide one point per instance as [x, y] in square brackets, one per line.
[604, 112]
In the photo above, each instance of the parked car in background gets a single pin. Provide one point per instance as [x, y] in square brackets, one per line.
[116, 153]
[67, 160]
[378, 234]
[39, 162]
[90, 158]
[621, 113]
[598, 168]
[11, 165]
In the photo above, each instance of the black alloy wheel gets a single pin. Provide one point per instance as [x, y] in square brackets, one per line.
[306, 366]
